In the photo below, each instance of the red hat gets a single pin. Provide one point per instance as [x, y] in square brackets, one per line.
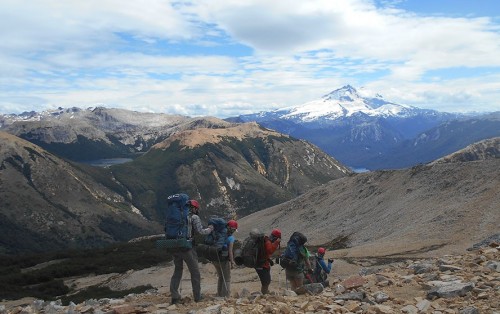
[321, 250]
[193, 203]
[276, 233]
[232, 224]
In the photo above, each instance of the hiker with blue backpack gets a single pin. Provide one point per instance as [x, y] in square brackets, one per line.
[224, 265]
[181, 222]
[295, 260]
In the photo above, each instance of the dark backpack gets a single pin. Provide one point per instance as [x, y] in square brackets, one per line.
[253, 251]
[214, 247]
[218, 237]
[290, 259]
[177, 222]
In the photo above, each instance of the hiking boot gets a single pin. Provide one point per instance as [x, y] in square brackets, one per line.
[301, 290]
[264, 289]
[176, 301]
[200, 299]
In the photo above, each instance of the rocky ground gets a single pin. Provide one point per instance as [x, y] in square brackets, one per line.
[465, 283]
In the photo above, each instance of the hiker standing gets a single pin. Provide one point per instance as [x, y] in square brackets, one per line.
[322, 269]
[298, 253]
[223, 267]
[189, 256]
[271, 244]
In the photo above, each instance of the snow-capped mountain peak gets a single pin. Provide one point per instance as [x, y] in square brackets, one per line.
[345, 102]
[346, 93]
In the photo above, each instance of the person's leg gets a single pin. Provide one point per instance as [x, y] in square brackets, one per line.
[176, 277]
[296, 279]
[299, 283]
[265, 279]
[226, 279]
[191, 259]
[220, 282]
[291, 278]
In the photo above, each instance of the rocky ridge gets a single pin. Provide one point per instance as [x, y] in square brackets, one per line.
[466, 284]
[485, 149]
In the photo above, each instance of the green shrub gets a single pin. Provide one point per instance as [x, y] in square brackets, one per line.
[46, 281]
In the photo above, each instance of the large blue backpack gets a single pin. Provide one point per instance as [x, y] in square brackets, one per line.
[177, 224]
[291, 258]
[177, 217]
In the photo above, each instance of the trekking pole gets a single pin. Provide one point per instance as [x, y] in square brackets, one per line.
[222, 272]
[279, 280]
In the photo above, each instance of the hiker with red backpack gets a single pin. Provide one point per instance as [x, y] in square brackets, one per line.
[190, 223]
[271, 244]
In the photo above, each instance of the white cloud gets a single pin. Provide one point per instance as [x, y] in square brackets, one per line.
[69, 53]
[54, 24]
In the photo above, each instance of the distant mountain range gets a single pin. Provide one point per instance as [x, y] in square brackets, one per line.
[372, 133]
[94, 133]
[361, 131]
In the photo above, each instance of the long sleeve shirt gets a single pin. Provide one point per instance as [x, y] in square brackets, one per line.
[198, 227]
[322, 266]
[270, 247]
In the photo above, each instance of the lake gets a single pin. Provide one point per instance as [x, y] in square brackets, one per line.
[107, 162]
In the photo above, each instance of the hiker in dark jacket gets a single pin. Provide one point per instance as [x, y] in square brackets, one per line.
[271, 243]
[296, 275]
[189, 256]
[322, 269]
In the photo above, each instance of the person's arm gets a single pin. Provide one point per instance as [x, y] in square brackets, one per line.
[306, 255]
[271, 246]
[326, 268]
[197, 226]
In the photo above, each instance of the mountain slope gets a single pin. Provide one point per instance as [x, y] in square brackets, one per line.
[483, 150]
[48, 204]
[233, 170]
[443, 205]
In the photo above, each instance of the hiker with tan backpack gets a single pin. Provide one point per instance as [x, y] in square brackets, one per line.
[271, 244]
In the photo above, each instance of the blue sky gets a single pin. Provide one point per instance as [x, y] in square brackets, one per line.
[231, 57]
